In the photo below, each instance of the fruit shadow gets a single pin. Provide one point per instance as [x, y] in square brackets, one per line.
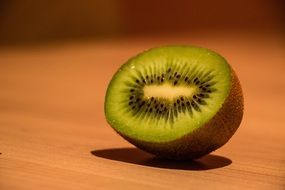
[139, 157]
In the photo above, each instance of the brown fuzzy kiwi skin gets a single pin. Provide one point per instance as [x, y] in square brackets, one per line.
[207, 138]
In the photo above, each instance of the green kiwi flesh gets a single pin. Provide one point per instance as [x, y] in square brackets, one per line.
[177, 102]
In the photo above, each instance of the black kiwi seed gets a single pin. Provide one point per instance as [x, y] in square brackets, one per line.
[181, 104]
[196, 107]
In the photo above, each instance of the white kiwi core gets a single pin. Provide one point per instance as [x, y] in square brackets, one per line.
[168, 91]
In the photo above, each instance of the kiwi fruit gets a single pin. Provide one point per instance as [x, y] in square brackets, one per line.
[177, 102]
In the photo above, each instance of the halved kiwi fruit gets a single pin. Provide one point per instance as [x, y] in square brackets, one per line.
[177, 102]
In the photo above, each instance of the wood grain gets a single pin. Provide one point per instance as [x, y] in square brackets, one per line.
[53, 134]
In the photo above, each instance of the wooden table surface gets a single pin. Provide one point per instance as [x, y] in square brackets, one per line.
[53, 134]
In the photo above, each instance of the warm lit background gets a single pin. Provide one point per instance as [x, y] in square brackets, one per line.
[35, 21]
[57, 58]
